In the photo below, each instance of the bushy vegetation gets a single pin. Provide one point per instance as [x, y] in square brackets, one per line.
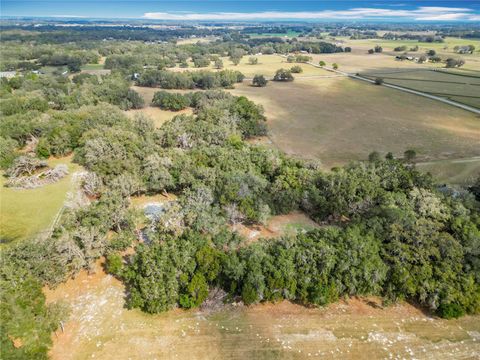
[190, 80]
[170, 101]
[259, 81]
[283, 75]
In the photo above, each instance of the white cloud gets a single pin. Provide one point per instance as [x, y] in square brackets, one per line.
[67, 16]
[420, 13]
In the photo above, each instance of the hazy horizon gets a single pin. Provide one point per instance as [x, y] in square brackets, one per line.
[406, 11]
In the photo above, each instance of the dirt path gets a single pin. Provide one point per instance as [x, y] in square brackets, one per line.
[100, 327]
[453, 161]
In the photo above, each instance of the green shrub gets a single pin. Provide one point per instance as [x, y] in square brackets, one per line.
[114, 264]
[450, 311]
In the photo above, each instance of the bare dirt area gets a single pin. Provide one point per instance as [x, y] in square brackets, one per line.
[100, 327]
[158, 116]
[276, 226]
[339, 120]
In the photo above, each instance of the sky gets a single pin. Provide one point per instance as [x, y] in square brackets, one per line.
[237, 10]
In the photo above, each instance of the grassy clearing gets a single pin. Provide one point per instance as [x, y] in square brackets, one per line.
[277, 226]
[457, 172]
[338, 120]
[100, 327]
[92, 67]
[25, 213]
[158, 115]
[267, 65]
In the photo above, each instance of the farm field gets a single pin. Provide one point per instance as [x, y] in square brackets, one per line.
[463, 87]
[339, 120]
[445, 49]
[461, 172]
[25, 213]
[100, 327]
[267, 65]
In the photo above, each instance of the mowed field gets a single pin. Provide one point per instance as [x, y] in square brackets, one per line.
[339, 119]
[267, 65]
[101, 327]
[460, 86]
[25, 213]
[461, 172]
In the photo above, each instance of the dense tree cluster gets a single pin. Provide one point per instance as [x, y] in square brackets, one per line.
[283, 75]
[391, 234]
[190, 80]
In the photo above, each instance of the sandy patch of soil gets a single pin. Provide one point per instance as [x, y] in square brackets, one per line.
[276, 226]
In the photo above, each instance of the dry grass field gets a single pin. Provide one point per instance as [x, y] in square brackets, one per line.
[460, 86]
[267, 65]
[461, 172]
[101, 328]
[338, 120]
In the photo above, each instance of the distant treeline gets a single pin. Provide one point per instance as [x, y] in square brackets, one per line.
[61, 34]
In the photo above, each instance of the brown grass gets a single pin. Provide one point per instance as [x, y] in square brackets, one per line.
[158, 116]
[338, 120]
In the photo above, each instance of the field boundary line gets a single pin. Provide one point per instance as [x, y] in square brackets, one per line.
[453, 161]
